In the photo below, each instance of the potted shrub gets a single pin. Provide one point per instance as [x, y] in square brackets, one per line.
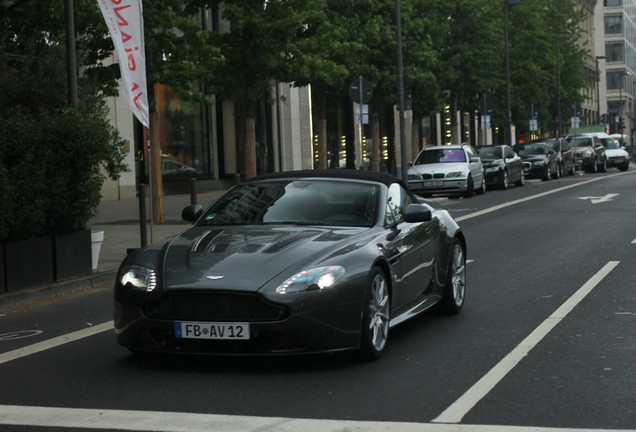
[55, 163]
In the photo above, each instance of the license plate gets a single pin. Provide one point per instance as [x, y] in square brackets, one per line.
[433, 183]
[212, 330]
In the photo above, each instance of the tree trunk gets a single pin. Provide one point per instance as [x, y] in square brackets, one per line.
[376, 138]
[155, 177]
[250, 140]
[321, 112]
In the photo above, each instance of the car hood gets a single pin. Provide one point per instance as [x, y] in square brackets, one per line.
[492, 162]
[616, 153]
[439, 168]
[246, 257]
[531, 158]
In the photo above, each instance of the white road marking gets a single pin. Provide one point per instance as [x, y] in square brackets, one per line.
[459, 408]
[157, 421]
[57, 341]
[530, 198]
[598, 200]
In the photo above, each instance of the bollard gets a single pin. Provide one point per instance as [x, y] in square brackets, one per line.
[237, 178]
[193, 191]
[142, 215]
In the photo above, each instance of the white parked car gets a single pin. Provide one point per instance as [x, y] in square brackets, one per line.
[617, 156]
[448, 170]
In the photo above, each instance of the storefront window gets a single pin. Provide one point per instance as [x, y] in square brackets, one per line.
[183, 132]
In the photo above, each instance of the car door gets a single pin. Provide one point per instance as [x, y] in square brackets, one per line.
[410, 249]
[567, 156]
[475, 166]
[513, 163]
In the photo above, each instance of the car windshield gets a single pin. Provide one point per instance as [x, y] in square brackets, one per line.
[581, 142]
[490, 153]
[530, 149]
[296, 202]
[610, 144]
[430, 156]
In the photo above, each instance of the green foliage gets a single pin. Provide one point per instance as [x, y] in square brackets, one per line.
[53, 158]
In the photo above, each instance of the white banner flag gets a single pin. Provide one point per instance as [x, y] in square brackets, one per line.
[125, 22]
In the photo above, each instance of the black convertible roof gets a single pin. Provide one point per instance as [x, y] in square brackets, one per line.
[374, 176]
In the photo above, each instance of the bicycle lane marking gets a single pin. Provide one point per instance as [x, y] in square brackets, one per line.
[55, 342]
[458, 409]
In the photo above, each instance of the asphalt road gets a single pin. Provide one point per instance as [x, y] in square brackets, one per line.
[546, 341]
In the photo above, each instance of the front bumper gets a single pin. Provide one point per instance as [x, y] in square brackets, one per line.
[456, 186]
[531, 170]
[302, 323]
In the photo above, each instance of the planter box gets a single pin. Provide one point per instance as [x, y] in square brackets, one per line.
[72, 255]
[29, 263]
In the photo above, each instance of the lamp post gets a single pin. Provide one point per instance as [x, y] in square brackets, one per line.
[71, 59]
[508, 132]
[598, 92]
[400, 65]
[623, 74]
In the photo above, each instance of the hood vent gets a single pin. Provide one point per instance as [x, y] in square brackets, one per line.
[202, 244]
[288, 241]
[250, 248]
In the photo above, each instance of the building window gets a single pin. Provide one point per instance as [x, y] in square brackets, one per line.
[613, 24]
[616, 80]
[610, 3]
[615, 52]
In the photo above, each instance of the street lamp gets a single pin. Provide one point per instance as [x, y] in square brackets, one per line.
[623, 74]
[598, 92]
[400, 65]
[508, 132]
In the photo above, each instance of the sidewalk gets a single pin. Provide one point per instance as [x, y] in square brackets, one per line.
[119, 220]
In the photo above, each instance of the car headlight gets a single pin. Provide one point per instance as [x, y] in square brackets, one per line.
[588, 153]
[313, 279]
[455, 174]
[538, 163]
[139, 278]
[492, 169]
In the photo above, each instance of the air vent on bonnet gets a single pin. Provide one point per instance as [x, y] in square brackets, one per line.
[288, 241]
[202, 244]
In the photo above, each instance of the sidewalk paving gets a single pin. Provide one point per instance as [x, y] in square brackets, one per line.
[120, 222]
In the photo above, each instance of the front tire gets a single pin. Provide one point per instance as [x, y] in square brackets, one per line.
[470, 187]
[522, 180]
[375, 316]
[504, 181]
[455, 288]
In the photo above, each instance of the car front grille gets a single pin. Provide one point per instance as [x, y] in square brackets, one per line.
[217, 306]
[432, 176]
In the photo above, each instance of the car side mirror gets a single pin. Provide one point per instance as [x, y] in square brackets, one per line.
[191, 213]
[417, 213]
[475, 159]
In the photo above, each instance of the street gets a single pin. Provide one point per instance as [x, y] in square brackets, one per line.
[546, 341]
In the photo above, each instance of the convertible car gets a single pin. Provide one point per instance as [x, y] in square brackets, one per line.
[295, 262]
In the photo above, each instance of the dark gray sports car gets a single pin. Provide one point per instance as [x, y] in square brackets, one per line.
[296, 262]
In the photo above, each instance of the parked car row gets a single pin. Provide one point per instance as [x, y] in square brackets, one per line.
[462, 170]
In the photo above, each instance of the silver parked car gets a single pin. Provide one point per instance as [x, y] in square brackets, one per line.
[448, 170]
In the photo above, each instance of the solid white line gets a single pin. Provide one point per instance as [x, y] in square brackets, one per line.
[157, 421]
[456, 412]
[530, 198]
[55, 342]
